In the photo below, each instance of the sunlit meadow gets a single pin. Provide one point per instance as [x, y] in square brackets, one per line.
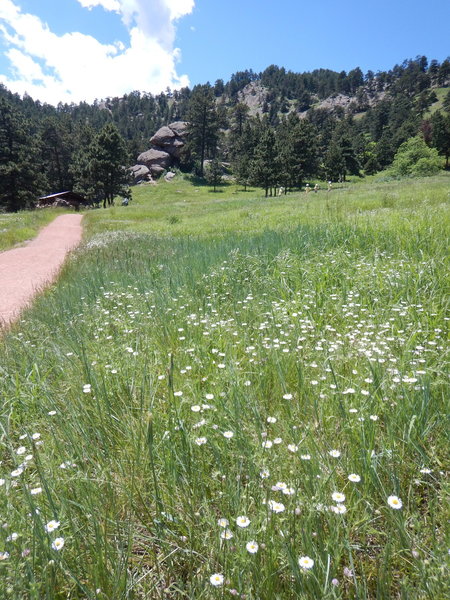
[228, 396]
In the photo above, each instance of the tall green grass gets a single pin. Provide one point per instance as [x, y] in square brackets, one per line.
[316, 345]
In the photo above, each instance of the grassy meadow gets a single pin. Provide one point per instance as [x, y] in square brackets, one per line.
[232, 396]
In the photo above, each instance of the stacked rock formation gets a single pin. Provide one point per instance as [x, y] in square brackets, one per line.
[165, 152]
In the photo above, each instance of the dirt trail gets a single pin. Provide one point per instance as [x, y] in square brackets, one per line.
[25, 271]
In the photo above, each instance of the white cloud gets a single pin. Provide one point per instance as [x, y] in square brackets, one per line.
[107, 4]
[179, 8]
[74, 66]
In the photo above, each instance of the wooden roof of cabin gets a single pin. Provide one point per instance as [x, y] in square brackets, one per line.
[69, 196]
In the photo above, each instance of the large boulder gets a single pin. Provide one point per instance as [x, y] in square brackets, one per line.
[140, 173]
[157, 161]
[169, 176]
[163, 137]
[169, 138]
[180, 128]
[157, 170]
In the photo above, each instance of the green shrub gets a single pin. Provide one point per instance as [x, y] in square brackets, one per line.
[415, 158]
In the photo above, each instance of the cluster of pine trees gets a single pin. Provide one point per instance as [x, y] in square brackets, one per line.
[87, 147]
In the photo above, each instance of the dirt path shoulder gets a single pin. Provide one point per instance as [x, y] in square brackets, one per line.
[25, 271]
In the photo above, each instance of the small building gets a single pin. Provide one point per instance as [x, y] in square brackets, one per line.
[64, 199]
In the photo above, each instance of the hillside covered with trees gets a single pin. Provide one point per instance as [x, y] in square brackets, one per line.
[275, 128]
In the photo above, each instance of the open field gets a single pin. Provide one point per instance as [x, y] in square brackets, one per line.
[232, 396]
[180, 208]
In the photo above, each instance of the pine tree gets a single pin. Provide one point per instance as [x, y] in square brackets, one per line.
[440, 134]
[100, 165]
[297, 149]
[446, 102]
[57, 145]
[214, 173]
[242, 154]
[109, 162]
[239, 116]
[80, 168]
[334, 163]
[264, 168]
[21, 174]
[203, 128]
[240, 143]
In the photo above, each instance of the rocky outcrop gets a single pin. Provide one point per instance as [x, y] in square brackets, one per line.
[140, 173]
[165, 151]
[168, 140]
[180, 129]
[154, 158]
[254, 95]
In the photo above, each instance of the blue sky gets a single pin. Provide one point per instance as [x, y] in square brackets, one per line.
[72, 50]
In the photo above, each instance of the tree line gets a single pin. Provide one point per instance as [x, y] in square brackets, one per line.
[87, 147]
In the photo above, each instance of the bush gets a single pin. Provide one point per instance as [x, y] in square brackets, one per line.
[414, 157]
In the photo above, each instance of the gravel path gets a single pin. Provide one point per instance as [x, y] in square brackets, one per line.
[25, 271]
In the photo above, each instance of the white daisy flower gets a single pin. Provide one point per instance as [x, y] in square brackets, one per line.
[338, 496]
[216, 579]
[354, 477]
[304, 562]
[339, 509]
[242, 521]
[58, 543]
[226, 534]
[276, 507]
[395, 502]
[52, 525]
[280, 485]
[252, 547]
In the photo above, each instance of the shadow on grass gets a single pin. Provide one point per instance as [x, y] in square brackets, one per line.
[196, 180]
[201, 181]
